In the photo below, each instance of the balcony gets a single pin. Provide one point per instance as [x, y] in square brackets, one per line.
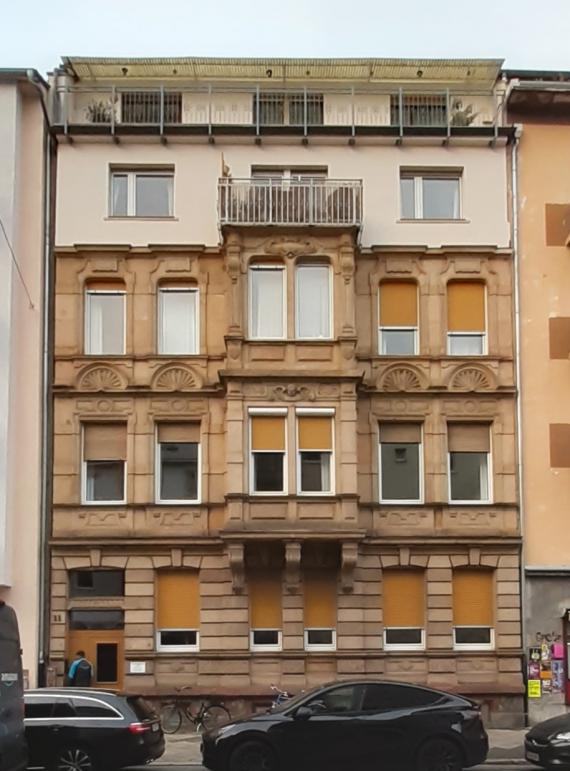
[209, 109]
[293, 202]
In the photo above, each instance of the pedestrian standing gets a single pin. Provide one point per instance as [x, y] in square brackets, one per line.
[80, 672]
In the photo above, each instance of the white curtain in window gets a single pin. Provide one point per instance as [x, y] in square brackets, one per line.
[119, 204]
[325, 472]
[266, 303]
[484, 476]
[105, 329]
[313, 301]
[178, 315]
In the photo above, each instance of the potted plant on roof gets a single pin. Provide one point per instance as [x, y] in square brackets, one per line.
[460, 115]
[99, 111]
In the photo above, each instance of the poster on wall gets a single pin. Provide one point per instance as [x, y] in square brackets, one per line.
[533, 670]
[534, 689]
[534, 654]
[557, 676]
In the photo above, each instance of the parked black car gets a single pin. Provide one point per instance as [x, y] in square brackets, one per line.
[72, 729]
[13, 749]
[353, 726]
[547, 744]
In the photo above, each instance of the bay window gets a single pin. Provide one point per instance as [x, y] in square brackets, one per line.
[267, 309]
[268, 452]
[313, 302]
[314, 451]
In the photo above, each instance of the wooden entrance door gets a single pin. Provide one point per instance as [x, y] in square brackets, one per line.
[105, 650]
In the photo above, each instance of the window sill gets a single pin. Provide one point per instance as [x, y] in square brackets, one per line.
[112, 218]
[419, 502]
[415, 220]
[470, 503]
[299, 340]
[178, 503]
[103, 503]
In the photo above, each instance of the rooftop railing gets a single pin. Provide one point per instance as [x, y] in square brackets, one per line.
[323, 202]
[260, 109]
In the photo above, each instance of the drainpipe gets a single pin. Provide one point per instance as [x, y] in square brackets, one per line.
[516, 264]
[48, 219]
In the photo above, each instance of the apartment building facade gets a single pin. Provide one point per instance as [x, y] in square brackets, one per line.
[22, 242]
[540, 104]
[284, 390]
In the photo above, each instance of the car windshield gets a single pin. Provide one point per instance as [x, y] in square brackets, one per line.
[293, 702]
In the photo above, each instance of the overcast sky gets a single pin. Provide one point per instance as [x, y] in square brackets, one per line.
[533, 34]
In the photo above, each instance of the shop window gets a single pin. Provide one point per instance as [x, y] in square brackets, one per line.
[96, 583]
[473, 609]
[268, 453]
[178, 463]
[178, 315]
[466, 318]
[178, 611]
[400, 463]
[104, 462]
[265, 610]
[403, 600]
[315, 466]
[398, 317]
[105, 319]
[469, 463]
[320, 609]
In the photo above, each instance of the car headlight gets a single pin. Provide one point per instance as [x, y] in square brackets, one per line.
[562, 737]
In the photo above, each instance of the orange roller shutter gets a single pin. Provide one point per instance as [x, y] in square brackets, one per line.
[466, 306]
[398, 304]
[473, 597]
[179, 432]
[105, 441]
[178, 599]
[403, 598]
[265, 599]
[268, 432]
[315, 432]
[320, 599]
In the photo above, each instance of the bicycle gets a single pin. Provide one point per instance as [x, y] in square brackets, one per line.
[210, 715]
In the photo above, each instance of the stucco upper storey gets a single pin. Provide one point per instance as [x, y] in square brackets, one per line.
[217, 122]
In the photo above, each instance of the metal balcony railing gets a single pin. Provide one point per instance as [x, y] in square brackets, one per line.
[322, 202]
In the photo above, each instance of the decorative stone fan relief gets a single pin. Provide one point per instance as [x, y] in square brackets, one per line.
[470, 379]
[401, 379]
[176, 379]
[101, 379]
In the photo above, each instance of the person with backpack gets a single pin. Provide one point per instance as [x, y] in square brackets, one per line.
[80, 672]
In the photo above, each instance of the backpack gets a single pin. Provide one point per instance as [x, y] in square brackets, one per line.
[83, 673]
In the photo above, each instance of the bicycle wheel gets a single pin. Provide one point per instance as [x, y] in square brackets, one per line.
[171, 718]
[214, 716]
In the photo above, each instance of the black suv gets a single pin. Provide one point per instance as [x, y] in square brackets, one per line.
[72, 729]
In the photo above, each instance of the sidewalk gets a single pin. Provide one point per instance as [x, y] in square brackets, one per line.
[504, 745]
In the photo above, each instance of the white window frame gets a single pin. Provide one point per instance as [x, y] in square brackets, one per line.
[418, 177]
[255, 647]
[177, 648]
[87, 319]
[267, 411]
[84, 463]
[421, 646]
[319, 647]
[382, 330]
[487, 500]
[481, 335]
[160, 328]
[409, 501]
[298, 267]
[158, 477]
[490, 646]
[131, 175]
[316, 412]
[261, 266]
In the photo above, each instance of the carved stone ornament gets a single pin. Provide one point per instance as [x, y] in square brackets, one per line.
[290, 247]
[100, 378]
[176, 378]
[349, 557]
[237, 566]
[292, 566]
[401, 379]
[471, 379]
[291, 393]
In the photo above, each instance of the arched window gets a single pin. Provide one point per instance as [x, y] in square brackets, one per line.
[178, 319]
[105, 318]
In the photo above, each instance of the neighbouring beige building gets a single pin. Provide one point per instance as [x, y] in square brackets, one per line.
[284, 386]
[540, 103]
[22, 252]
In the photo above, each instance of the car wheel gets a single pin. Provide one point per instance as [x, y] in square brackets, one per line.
[253, 756]
[73, 758]
[439, 755]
